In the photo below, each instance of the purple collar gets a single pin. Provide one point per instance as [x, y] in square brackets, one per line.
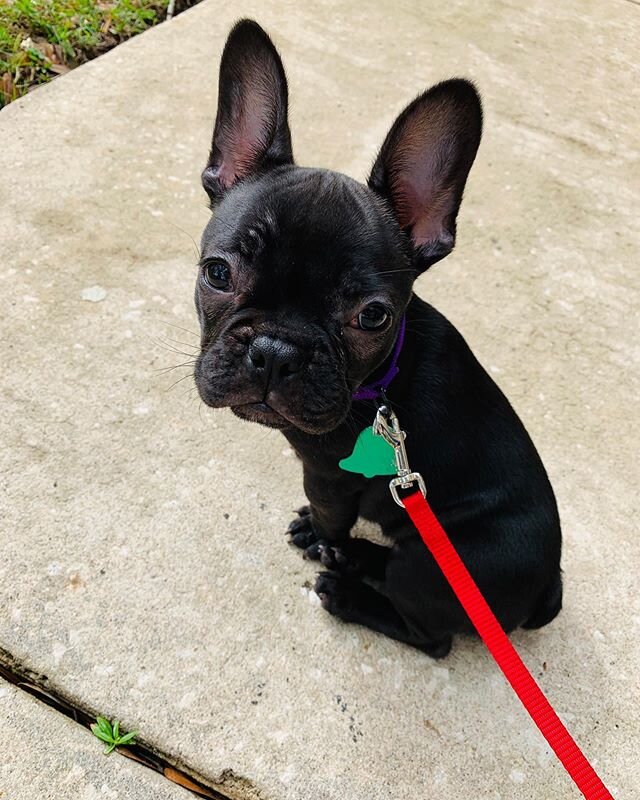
[372, 391]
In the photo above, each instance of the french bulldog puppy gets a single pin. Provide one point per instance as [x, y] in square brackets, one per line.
[305, 279]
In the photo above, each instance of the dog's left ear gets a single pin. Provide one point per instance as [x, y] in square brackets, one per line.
[424, 162]
[251, 132]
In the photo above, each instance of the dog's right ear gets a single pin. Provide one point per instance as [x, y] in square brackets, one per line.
[251, 132]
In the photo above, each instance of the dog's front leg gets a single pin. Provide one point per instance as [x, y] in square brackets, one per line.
[332, 511]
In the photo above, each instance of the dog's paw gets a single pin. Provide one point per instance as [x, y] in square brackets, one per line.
[338, 559]
[301, 529]
[335, 593]
[304, 536]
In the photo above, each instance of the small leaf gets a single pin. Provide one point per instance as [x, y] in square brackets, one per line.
[109, 749]
[116, 729]
[127, 738]
[104, 737]
[104, 725]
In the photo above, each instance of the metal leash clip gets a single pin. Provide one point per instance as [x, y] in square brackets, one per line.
[386, 425]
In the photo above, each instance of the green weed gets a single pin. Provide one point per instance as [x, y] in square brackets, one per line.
[110, 734]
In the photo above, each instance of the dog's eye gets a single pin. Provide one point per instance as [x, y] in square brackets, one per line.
[216, 275]
[371, 318]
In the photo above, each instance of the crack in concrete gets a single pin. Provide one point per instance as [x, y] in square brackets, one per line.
[39, 686]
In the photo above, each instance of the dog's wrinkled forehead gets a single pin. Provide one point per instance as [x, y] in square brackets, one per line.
[306, 230]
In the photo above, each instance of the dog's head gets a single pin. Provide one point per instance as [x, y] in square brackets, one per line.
[305, 274]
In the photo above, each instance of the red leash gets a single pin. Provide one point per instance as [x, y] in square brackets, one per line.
[492, 634]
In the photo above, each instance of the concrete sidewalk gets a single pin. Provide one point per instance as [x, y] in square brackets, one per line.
[144, 568]
[46, 756]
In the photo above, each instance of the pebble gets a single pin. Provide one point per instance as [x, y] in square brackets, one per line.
[94, 294]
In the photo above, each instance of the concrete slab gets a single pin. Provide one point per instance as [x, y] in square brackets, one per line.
[144, 568]
[46, 756]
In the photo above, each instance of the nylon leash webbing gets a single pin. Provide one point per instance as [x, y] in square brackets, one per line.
[504, 653]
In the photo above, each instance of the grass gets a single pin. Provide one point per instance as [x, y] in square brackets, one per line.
[41, 39]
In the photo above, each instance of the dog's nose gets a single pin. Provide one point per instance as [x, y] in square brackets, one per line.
[274, 359]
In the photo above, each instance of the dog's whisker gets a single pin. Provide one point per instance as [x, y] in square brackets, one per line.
[170, 348]
[186, 233]
[180, 328]
[178, 352]
[350, 421]
[194, 347]
[395, 271]
[269, 432]
[183, 378]
[164, 370]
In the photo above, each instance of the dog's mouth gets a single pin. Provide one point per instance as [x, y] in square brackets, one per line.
[313, 402]
[265, 414]
[262, 413]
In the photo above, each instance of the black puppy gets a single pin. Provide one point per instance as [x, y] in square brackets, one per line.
[305, 280]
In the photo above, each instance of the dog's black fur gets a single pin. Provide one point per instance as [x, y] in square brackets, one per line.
[290, 259]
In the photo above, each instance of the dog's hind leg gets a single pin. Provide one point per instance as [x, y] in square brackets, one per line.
[548, 606]
[352, 600]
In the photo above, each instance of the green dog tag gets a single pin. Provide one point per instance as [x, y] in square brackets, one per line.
[371, 456]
